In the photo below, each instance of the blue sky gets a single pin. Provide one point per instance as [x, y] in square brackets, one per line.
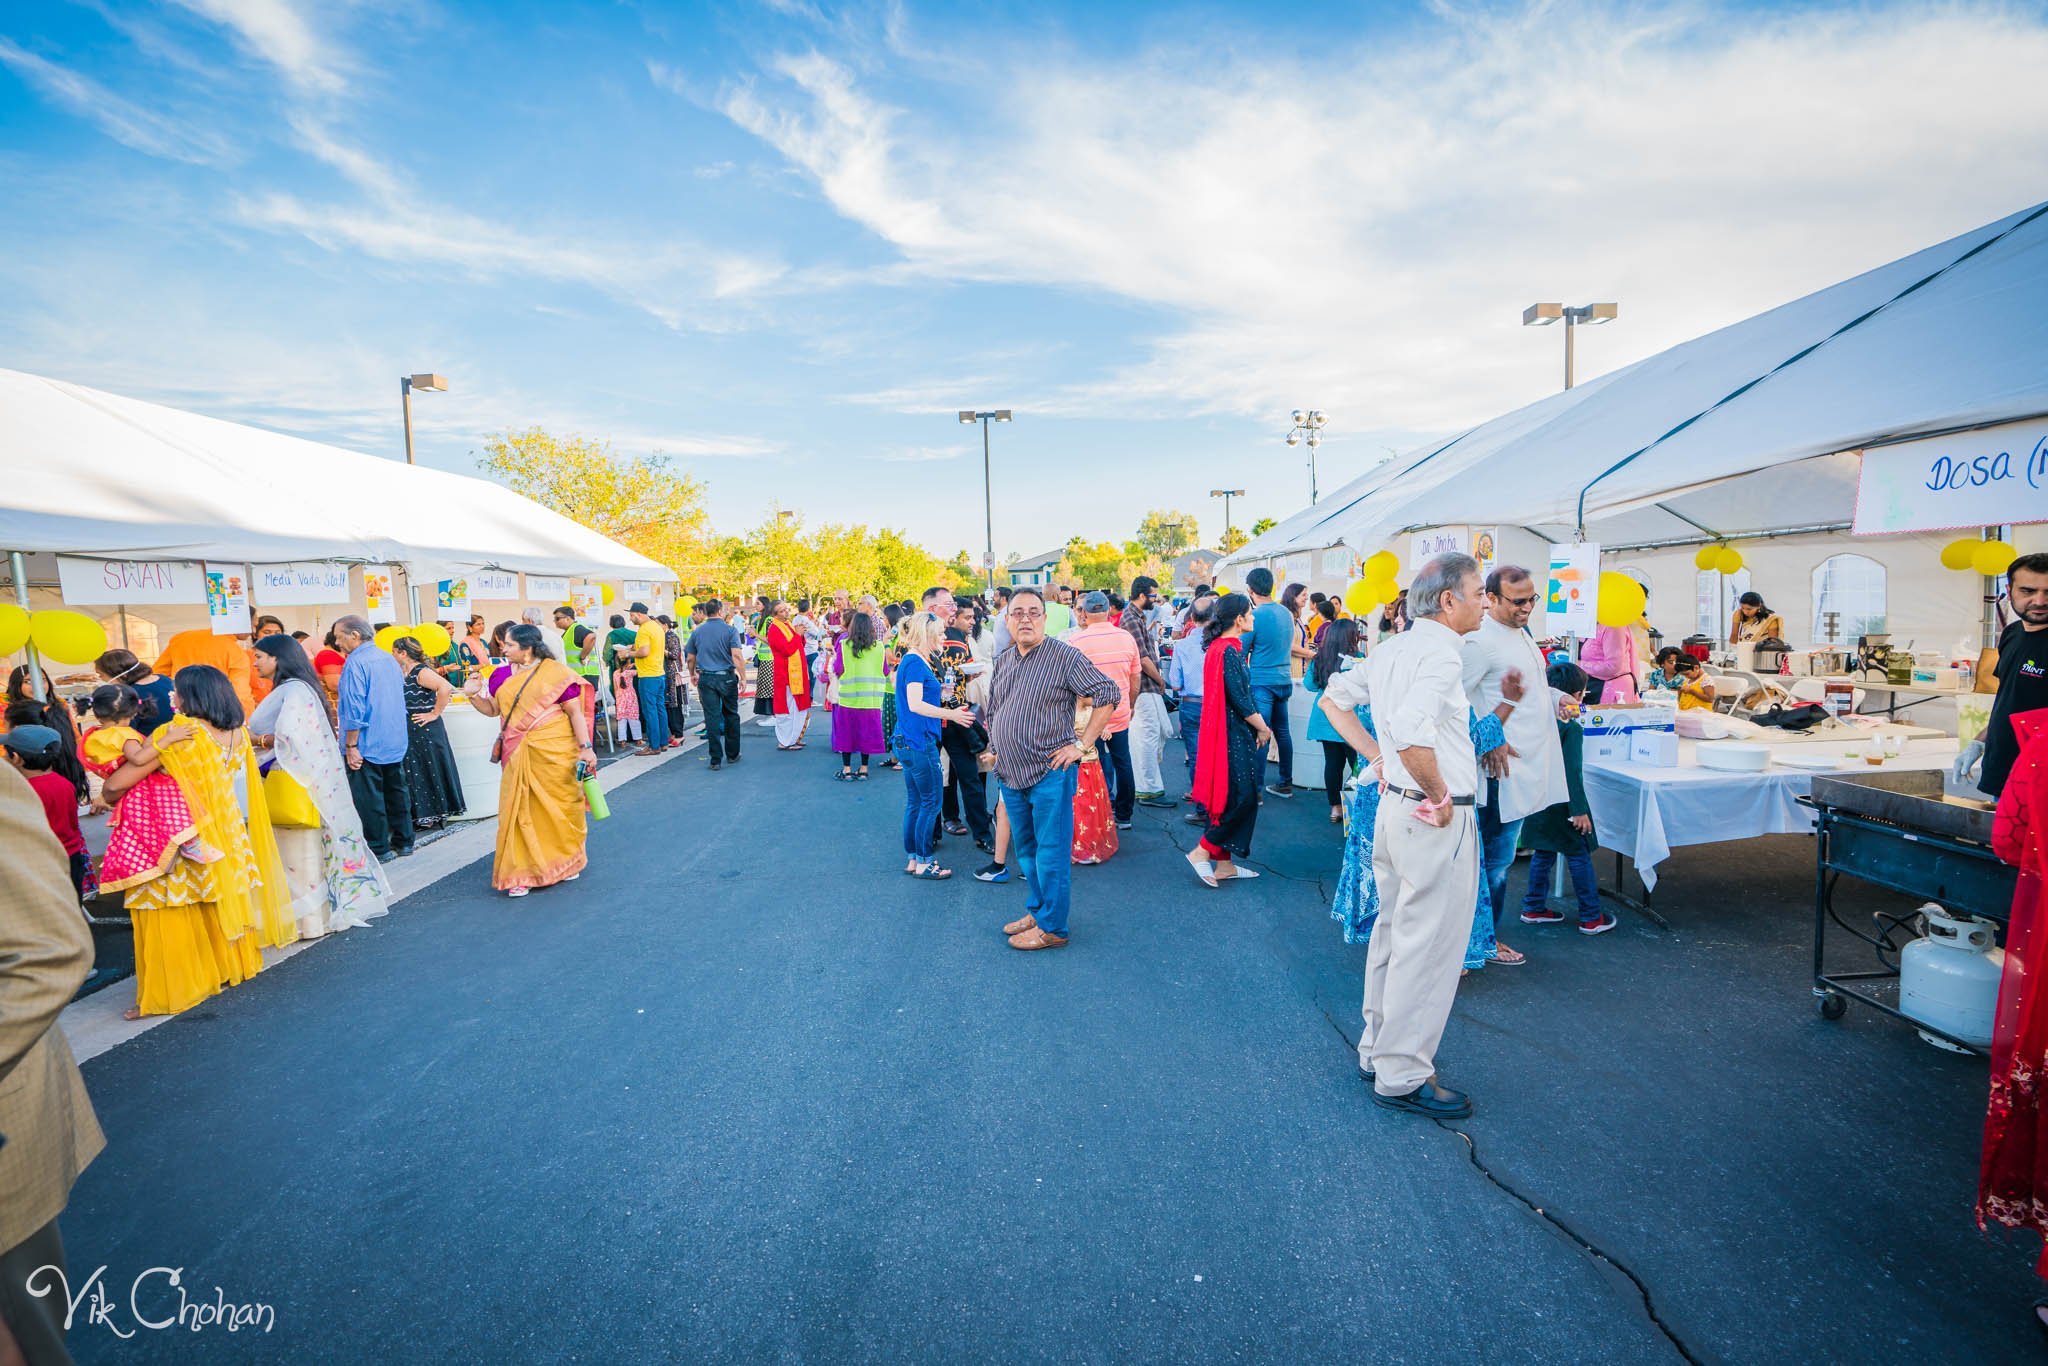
[783, 241]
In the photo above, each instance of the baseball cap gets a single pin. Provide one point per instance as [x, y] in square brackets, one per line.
[31, 742]
[639, 607]
[1097, 601]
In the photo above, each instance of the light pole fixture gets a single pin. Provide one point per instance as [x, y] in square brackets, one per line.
[1308, 426]
[437, 384]
[968, 417]
[1590, 315]
[1226, 495]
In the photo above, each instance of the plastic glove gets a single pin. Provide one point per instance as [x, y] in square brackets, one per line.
[1967, 761]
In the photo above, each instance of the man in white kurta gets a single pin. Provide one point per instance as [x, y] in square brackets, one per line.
[1425, 858]
[1528, 774]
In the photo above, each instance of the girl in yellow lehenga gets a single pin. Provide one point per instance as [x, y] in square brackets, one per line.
[199, 926]
[546, 734]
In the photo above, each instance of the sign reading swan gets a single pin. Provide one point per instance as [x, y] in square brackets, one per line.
[1993, 476]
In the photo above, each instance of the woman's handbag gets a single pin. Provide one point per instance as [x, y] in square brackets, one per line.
[290, 805]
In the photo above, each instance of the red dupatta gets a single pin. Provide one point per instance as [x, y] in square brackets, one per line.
[2012, 1183]
[1212, 756]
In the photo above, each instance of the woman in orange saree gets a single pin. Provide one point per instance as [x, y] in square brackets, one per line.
[545, 735]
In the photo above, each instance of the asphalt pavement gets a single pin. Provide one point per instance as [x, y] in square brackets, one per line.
[745, 1092]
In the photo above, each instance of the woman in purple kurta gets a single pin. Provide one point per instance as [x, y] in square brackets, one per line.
[857, 670]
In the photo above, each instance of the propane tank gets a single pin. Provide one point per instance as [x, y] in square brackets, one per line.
[1948, 977]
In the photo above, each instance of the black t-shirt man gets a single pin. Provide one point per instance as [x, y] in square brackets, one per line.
[2022, 686]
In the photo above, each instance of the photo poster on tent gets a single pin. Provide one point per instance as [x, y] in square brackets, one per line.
[551, 592]
[132, 583]
[493, 585]
[378, 604]
[300, 583]
[1994, 476]
[588, 600]
[451, 600]
[1486, 547]
[1442, 540]
[227, 601]
[1572, 595]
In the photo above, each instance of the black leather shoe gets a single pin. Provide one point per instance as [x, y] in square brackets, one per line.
[1367, 1073]
[1195, 818]
[1429, 1100]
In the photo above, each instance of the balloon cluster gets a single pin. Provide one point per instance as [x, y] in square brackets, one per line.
[431, 635]
[61, 637]
[1725, 558]
[1989, 558]
[1379, 586]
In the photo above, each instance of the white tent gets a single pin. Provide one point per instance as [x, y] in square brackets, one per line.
[89, 473]
[1749, 430]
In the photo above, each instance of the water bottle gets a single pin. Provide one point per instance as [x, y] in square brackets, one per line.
[952, 683]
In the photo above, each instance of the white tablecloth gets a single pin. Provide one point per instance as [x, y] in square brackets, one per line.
[1645, 812]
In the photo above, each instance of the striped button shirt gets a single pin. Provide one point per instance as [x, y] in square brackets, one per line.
[1031, 701]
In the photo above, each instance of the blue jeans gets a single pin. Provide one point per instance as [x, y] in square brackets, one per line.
[1497, 847]
[1116, 774]
[1585, 883]
[1042, 832]
[1271, 700]
[1190, 731]
[920, 796]
[653, 710]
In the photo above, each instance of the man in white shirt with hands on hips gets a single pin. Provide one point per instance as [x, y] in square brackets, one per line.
[1425, 858]
[1526, 774]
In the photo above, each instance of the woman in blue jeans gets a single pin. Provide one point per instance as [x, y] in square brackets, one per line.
[919, 719]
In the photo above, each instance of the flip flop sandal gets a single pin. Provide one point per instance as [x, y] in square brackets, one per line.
[931, 872]
[1239, 876]
[1205, 870]
[1500, 956]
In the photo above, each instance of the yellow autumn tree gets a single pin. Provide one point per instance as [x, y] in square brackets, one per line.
[642, 502]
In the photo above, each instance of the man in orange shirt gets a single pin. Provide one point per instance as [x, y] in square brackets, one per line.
[229, 654]
[1114, 651]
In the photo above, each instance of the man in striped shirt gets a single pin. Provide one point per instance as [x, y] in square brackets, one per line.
[1037, 686]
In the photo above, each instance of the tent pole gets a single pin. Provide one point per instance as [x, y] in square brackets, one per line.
[1987, 627]
[18, 568]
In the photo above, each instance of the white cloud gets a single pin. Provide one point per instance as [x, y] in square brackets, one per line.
[278, 32]
[123, 120]
[910, 455]
[1361, 233]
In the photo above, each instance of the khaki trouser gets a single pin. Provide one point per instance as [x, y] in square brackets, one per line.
[1428, 880]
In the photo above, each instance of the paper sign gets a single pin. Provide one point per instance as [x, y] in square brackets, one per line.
[1425, 545]
[129, 582]
[495, 584]
[303, 583]
[552, 591]
[451, 600]
[1573, 591]
[227, 601]
[1994, 476]
[588, 600]
[377, 601]
[1486, 547]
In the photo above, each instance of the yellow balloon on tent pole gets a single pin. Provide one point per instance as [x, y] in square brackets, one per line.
[1621, 600]
[1706, 557]
[67, 637]
[1728, 559]
[1361, 597]
[1960, 554]
[1993, 558]
[433, 638]
[13, 628]
[1382, 566]
[387, 636]
[605, 593]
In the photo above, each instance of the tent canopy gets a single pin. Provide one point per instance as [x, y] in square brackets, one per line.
[95, 474]
[1750, 429]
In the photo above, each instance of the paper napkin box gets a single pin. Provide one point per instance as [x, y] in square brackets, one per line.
[1657, 748]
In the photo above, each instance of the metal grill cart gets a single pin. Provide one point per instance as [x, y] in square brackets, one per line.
[1897, 830]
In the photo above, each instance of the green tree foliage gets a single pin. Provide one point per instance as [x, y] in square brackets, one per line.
[1166, 533]
[1263, 525]
[641, 502]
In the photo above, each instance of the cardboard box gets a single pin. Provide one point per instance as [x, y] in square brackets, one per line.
[1658, 748]
[1609, 729]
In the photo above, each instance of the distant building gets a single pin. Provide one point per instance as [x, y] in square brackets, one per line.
[1035, 570]
[1193, 569]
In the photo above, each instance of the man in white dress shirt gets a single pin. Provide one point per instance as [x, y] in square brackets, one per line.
[1425, 857]
[1526, 774]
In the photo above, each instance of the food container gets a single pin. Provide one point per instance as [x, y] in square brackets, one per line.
[1734, 757]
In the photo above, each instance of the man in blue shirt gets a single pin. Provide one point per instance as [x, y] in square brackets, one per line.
[717, 658]
[1271, 647]
[370, 711]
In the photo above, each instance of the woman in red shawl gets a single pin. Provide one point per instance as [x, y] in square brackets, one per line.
[792, 680]
[1226, 759]
[2012, 1185]
[1095, 838]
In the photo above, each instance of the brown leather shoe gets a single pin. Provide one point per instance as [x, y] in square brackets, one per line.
[1019, 926]
[1035, 938]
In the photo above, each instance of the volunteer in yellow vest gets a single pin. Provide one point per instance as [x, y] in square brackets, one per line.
[857, 660]
[582, 648]
[650, 677]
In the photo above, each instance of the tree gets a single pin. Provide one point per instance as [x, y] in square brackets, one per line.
[641, 502]
[1263, 525]
[1166, 533]
[1234, 539]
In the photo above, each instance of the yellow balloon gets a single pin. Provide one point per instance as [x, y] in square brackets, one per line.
[13, 628]
[67, 637]
[1706, 557]
[387, 635]
[1728, 559]
[605, 593]
[1960, 554]
[1359, 597]
[1382, 565]
[433, 638]
[1621, 600]
[1993, 557]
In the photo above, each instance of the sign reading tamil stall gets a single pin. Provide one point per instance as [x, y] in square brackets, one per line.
[302, 583]
[129, 582]
[495, 584]
[1993, 476]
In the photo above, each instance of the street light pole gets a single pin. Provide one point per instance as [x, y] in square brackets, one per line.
[408, 383]
[1226, 495]
[1543, 315]
[988, 500]
[1310, 425]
